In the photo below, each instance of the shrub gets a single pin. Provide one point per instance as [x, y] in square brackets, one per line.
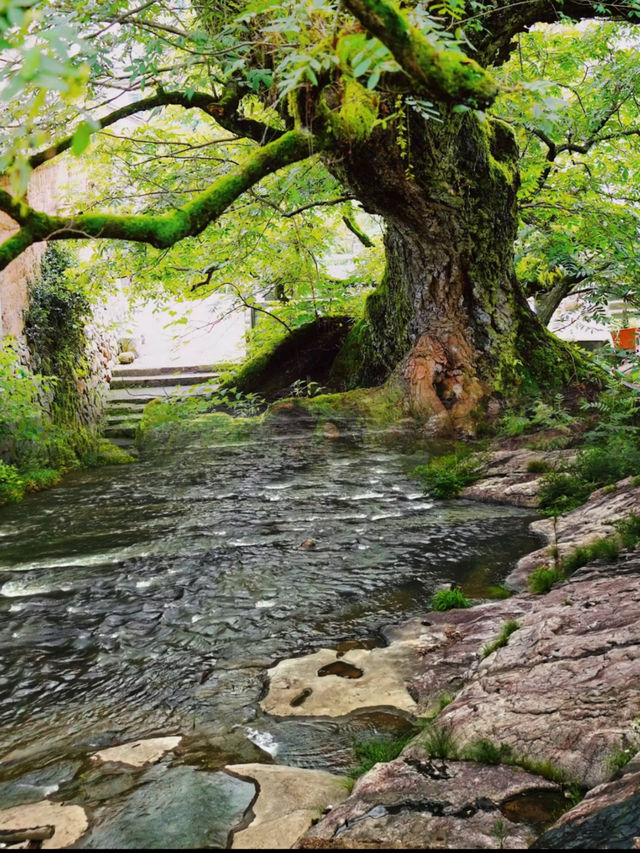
[502, 639]
[537, 466]
[562, 492]
[496, 592]
[449, 599]
[12, 487]
[543, 578]
[107, 453]
[446, 476]
[628, 530]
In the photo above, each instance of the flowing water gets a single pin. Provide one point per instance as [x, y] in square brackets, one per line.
[151, 598]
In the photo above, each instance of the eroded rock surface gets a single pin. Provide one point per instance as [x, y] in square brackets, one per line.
[296, 688]
[139, 752]
[607, 819]
[591, 521]
[506, 479]
[566, 687]
[289, 799]
[416, 802]
[70, 822]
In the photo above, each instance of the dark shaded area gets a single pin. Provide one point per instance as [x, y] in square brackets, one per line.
[612, 828]
[307, 354]
[341, 668]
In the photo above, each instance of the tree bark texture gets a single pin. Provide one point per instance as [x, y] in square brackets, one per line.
[449, 318]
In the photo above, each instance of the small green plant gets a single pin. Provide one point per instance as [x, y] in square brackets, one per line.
[12, 487]
[628, 530]
[543, 578]
[449, 599]
[307, 388]
[446, 476]
[502, 639]
[500, 832]
[608, 547]
[561, 492]
[41, 478]
[487, 752]
[537, 466]
[376, 750]
[439, 742]
[620, 758]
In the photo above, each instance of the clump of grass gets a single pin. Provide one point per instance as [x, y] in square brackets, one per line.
[487, 752]
[502, 639]
[439, 742]
[608, 548]
[449, 599]
[620, 758]
[446, 476]
[543, 578]
[628, 530]
[41, 478]
[375, 750]
[537, 466]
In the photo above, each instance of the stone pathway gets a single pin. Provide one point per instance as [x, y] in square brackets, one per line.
[133, 387]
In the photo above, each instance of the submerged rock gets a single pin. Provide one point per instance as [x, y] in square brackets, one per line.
[139, 752]
[418, 802]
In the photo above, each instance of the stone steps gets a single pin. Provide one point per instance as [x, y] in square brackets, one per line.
[133, 387]
[161, 380]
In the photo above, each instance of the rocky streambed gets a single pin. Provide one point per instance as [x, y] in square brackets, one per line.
[516, 731]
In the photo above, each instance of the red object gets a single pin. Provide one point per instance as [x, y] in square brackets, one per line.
[626, 338]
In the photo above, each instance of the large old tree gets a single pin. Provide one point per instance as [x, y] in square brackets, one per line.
[396, 101]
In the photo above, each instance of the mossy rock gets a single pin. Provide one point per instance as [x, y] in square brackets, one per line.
[307, 353]
[209, 428]
[107, 453]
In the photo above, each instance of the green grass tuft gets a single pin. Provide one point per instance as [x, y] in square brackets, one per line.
[439, 742]
[543, 578]
[502, 639]
[537, 466]
[449, 599]
[446, 476]
[487, 752]
[376, 750]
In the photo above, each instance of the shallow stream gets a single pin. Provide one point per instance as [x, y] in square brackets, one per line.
[150, 599]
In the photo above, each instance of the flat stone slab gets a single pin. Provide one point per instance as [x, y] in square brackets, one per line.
[70, 821]
[138, 752]
[608, 818]
[416, 802]
[289, 799]
[297, 689]
[581, 526]
[566, 687]
[506, 480]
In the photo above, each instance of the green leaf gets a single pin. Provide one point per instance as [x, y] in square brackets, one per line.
[81, 138]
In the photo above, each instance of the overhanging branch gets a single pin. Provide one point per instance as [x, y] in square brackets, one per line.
[161, 231]
[444, 74]
[223, 111]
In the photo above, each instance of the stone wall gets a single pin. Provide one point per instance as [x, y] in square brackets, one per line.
[45, 192]
[44, 188]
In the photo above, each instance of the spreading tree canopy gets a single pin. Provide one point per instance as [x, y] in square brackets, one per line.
[396, 103]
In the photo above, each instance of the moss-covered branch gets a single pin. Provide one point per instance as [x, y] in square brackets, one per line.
[444, 74]
[160, 231]
[222, 110]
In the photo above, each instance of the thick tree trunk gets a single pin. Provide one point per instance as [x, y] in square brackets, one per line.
[449, 319]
